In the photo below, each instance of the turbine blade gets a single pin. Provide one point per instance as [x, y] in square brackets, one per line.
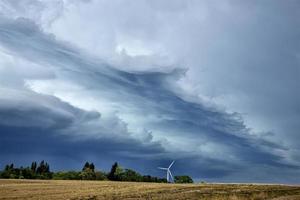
[162, 168]
[171, 175]
[171, 164]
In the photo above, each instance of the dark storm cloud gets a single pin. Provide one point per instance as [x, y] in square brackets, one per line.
[29, 109]
[19, 145]
[36, 140]
[40, 125]
[34, 126]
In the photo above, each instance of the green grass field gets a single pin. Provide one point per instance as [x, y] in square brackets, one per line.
[54, 189]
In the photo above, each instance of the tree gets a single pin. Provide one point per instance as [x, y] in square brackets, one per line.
[183, 179]
[47, 168]
[33, 167]
[130, 175]
[6, 173]
[92, 167]
[69, 175]
[88, 172]
[11, 166]
[43, 170]
[27, 173]
[6, 168]
[100, 175]
[86, 166]
[112, 174]
[41, 167]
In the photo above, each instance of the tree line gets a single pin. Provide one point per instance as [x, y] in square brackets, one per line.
[88, 172]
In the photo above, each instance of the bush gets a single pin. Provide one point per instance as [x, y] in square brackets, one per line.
[69, 175]
[183, 179]
[130, 175]
[44, 176]
[87, 174]
[100, 176]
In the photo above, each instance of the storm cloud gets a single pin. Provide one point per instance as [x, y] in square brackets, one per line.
[128, 90]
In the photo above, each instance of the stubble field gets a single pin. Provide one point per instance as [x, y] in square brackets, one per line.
[58, 189]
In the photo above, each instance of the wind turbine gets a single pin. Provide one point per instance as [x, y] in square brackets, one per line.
[169, 174]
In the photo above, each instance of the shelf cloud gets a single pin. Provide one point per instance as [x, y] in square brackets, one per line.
[213, 86]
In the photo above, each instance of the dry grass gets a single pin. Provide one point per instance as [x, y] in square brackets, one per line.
[54, 189]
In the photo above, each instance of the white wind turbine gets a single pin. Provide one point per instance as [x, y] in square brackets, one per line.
[169, 174]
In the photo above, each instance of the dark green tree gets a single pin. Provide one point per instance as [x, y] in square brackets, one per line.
[112, 174]
[130, 175]
[11, 166]
[33, 166]
[26, 173]
[183, 179]
[43, 171]
[86, 166]
[41, 168]
[6, 168]
[68, 175]
[92, 167]
[87, 174]
[100, 175]
[47, 168]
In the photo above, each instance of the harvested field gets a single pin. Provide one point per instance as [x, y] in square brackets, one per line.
[59, 189]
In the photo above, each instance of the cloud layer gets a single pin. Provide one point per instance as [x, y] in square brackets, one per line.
[127, 89]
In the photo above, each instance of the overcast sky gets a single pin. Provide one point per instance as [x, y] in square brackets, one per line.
[213, 85]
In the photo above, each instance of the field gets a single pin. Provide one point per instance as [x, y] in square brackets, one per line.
[55, 189]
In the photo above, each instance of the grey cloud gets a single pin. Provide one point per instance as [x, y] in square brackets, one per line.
[40, 126]
[23, 108]
[243, 55]
[147, 96]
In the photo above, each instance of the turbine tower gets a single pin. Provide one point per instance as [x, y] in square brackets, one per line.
[169, 174]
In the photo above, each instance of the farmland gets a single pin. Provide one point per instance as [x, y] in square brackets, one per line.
[62, 189]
